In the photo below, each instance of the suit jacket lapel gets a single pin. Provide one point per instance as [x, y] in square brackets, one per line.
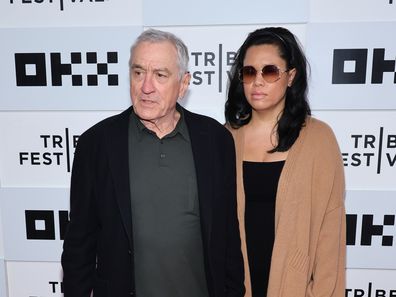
[117, 148]
[201, 144]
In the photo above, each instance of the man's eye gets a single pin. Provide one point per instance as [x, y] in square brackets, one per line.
[162, 75]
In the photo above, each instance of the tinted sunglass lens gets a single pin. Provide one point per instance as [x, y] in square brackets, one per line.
[248, 74]
[270, 73]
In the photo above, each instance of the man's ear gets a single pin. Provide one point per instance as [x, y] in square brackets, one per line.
[185, 82]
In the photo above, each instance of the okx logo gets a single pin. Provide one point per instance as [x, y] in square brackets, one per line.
[364, 227]
[40, 224]
[350, 66]
[31, 69]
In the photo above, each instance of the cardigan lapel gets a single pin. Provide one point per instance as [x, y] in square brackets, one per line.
[201, 148]
[117, 147]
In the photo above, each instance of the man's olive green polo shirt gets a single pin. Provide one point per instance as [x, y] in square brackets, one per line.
[168, 250]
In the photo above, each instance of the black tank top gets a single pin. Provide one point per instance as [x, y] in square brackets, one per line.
[260, 180]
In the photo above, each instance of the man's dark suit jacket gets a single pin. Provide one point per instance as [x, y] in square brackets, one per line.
[98, 247]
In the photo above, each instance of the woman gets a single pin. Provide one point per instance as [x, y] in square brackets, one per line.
[290, 174]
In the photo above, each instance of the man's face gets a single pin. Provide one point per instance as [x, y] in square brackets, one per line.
[155, 81]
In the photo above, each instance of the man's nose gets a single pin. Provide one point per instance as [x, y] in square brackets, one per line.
[148, 86]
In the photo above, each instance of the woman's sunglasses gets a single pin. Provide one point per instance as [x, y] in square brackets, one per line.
[270, 73]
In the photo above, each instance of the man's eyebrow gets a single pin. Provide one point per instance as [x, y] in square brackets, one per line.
[160, 69]
[138, 66]
[164, 69]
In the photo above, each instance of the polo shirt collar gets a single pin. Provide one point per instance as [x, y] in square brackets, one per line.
[181, 127]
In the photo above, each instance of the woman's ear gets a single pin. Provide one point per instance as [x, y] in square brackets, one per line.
[291, 74]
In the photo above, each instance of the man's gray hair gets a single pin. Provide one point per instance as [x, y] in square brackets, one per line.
[155, 36]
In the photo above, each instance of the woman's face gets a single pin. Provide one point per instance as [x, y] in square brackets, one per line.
[264, 96]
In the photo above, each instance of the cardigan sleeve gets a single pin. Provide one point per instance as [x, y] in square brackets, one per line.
[329, 271]
[328, 276]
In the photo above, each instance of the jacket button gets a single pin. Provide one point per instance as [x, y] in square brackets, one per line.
[130, 253]
[131, 293]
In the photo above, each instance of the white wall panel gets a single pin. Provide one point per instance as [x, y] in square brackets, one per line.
[3, 280]
[28, 279]
[40, 146]
[353, 65]
[371, 283]
[371, 236]
[206, 12]
[352, 10]
[367, 141]
[58, 13]
[1, 236]
[82, 70]
[34, 222]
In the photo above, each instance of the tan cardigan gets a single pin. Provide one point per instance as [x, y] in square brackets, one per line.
[308, 257]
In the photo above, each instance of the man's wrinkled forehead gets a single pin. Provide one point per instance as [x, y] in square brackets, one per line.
[163, 51]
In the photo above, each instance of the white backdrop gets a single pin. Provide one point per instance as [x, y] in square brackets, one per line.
[64, 67]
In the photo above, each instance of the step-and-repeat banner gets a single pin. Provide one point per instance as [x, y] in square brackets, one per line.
[64, 67]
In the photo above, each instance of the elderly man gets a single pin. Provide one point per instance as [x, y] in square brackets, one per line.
[153, 206]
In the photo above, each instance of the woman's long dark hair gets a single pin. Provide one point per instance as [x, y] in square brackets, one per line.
[238, 111]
